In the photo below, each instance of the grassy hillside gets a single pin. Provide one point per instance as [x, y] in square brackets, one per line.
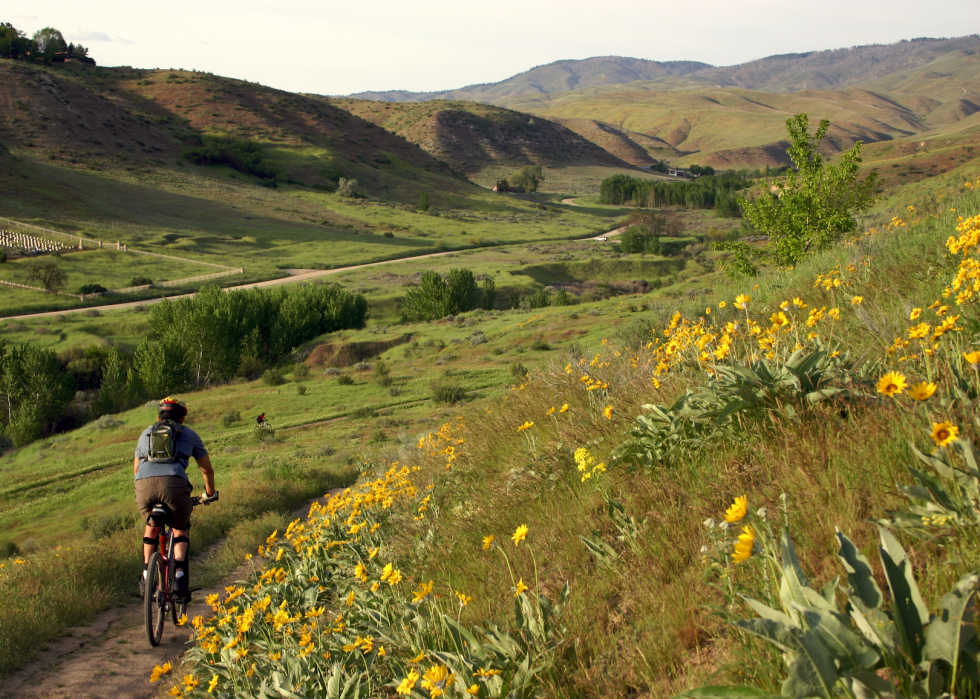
[471, 136]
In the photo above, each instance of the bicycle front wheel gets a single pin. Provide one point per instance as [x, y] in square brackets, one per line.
[154, 604]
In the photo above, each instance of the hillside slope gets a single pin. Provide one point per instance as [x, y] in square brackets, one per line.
[470, 136]
[812, 70]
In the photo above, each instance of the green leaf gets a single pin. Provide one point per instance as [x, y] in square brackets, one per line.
[812, 673]
[723, 692]
[789, 557]
[868, 685]
[911, 614]
[952, 629]
[844, 646]
[767, 612]
[859, 572]
[777, 633]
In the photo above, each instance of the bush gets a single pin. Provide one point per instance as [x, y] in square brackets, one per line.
[300, 390]
[228, 419]
[300, 371]
[448, 393]
[345, 380]
[140, 281]
[92, 289]
[362, 413]
[326, 450]
[264, 434]
[362, 366]
[8, 549]
[394, 391]
[540, 346]
[378, 436]
[519, 371]
[331, 371]
[273, 377]
[386, 380]
[107, 422]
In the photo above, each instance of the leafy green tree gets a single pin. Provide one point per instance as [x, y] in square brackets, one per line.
[423, 204]
[34, 390]
[638, 238]
[161, 368]
[426, 301]
[488, 295]
[346, 187]
[48, 42]
[113, 393]
[529, 178]
[502, 185]
[48, 274]
[815, 206]
[13, 43]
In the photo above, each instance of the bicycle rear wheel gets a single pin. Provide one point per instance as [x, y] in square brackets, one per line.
[154, 603]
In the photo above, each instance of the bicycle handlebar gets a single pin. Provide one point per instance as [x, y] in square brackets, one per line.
[204, 499]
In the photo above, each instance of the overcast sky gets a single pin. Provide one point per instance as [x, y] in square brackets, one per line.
[339, 47]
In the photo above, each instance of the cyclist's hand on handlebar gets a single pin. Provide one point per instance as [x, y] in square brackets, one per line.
[209, 498]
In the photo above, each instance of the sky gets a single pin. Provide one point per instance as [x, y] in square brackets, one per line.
[341, 47]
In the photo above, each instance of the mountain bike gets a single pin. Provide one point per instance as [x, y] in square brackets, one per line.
[160, 576]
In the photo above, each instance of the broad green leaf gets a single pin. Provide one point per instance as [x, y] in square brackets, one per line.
[859, 572]
[767, 612]
[847, 648]
[952, 629]
[910, 614]
[777, 633]
[812, 673]
[868, 685]
[789, 557]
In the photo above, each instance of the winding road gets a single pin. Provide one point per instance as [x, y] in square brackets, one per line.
[295, 275]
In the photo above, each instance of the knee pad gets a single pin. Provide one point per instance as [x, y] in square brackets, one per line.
[150, 541]
[181, 540]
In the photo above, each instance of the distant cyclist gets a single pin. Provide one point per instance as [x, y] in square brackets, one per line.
[260, 420]
[159, 468]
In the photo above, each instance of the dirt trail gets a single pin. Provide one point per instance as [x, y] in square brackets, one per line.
[295, 275]
[111, 658]
[570, 202]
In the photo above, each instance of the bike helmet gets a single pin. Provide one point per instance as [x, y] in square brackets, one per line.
[173, 405]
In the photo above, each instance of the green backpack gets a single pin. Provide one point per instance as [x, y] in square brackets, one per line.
[163, 442]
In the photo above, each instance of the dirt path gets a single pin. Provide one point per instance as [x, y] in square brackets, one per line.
[295, 275]
[570, 202]
[111, 658]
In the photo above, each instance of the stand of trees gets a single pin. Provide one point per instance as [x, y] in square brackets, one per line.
[707, 192]
[436, 297]
[202, 340]
[46, 46]
[243, 156]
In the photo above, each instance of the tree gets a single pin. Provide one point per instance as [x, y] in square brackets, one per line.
[13, 44]
[346, 187]
[423, 204]
[637, 238]
[502, 186]
[816, 204]
[529, 178]
[49, 42]
[33, 392]
[463, 294]
[426, 301]
[48, 274]
[488, 295]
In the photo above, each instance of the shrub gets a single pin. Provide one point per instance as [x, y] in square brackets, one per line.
[300, 390]
[331, 371]
[264, 434]
[362, 366]
[230, 418]
[540, 346]
[8, 549]
[378, 436]
[362, 413]
[273, 377]
[381, 369]
[519, 371]
[345, 380]
[300, 371]
[92, 289]
[448, 393]
[326, 450]
[394, 391]
[140, 281]
[107, 422]
[386, 380]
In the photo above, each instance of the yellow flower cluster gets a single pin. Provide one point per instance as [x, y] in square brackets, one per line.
[587, 465]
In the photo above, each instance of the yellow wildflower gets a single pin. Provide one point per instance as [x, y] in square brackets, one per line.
[551, 411]
[607, 412]
[437, 680]
[519, 534]
[488, 542]
[745, 545]
[914, 315]
[408, 684]
[424, 591]
[213, 684]
[564, 408]
[892, 383]
[520, 589]
[191, 683]
[526, 426]
[973, 359]
[944, 432]
[742, 301]
[160, 670]
[738, 509]
[922, 391]
[463, 598]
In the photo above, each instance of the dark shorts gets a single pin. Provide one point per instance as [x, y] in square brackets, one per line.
[172, 491]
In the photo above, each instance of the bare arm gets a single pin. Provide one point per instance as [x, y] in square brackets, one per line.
[136, 464]
[204, 463]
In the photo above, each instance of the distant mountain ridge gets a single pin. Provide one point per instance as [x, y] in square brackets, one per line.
[813, 70]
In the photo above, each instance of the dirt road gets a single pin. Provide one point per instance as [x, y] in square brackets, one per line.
[111, 658]
[295, 275]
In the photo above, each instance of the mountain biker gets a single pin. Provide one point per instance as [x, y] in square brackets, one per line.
[260, 419]
[160, 477]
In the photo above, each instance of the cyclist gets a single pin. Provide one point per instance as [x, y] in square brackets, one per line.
[159, 469]
[260, 420]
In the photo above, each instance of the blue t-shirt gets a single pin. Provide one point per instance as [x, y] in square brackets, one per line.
[188, 444]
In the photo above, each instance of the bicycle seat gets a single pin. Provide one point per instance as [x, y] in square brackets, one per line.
[159, 515]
